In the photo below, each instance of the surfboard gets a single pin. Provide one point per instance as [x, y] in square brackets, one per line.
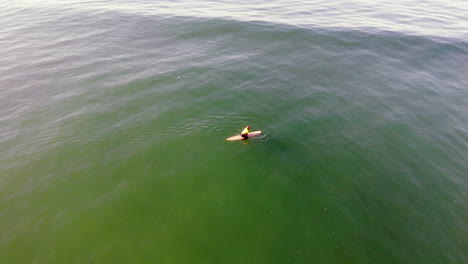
[238, 137]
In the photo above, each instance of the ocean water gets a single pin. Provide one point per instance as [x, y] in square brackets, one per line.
[114, 114]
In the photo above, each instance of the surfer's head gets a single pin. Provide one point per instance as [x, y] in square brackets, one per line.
[248, 127]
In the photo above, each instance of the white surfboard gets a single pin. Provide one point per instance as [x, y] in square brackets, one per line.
[239, 137]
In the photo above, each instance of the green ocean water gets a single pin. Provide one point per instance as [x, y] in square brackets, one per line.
[113, 120]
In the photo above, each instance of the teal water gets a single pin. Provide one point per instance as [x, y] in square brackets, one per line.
[113, 119]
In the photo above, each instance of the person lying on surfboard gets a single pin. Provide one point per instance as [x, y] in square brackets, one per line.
[245, 133]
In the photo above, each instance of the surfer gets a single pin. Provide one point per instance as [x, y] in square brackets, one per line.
[245, 133]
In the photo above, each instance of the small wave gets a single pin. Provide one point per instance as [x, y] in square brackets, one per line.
[435, 18]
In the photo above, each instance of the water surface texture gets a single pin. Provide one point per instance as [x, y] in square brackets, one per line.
[114, 114]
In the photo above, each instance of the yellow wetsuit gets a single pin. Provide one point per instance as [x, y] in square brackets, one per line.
[245, 133]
